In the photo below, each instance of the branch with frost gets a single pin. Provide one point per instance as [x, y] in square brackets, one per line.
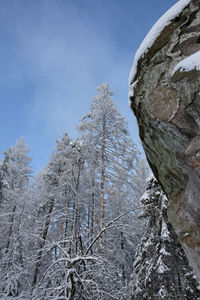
[109, 225]
[71, 261]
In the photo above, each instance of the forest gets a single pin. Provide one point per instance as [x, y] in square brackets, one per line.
[92, 224]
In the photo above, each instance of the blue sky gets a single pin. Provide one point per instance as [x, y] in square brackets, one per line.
[54, 53]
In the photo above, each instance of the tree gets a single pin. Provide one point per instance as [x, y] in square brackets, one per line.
[69, 233]
[101, 161]
[48, 184]
[161, 269]
[80, 277]
[106, 130]
[61, 186]
[15, 174]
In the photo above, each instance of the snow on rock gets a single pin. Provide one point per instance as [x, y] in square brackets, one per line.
[131, 89]
[150, 38]
[188, 64]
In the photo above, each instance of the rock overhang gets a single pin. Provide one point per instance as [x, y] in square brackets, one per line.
[165, 97]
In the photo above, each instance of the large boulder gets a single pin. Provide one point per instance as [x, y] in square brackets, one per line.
[165, 97]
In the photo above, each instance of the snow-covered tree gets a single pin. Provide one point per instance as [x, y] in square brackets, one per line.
[70, 232]
[161, 269]
[15, 173]
[106, 130]
[66, 263]
[54, 190]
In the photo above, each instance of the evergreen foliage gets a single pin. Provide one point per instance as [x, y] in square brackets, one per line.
[161, 269]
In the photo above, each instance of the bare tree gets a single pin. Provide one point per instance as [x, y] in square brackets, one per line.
[106, 130]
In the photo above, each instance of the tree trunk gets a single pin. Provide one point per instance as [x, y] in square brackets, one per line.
[123, 266]
[64, 224]
[74, 238]
[11, 228]
[102, 199]
[44, 237]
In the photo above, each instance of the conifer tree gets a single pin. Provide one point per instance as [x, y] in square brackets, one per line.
[106, 130]
[161, 269]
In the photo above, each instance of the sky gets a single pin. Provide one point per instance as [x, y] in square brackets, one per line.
[53, 55]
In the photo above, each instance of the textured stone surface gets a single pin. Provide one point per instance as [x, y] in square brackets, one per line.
[168, 113]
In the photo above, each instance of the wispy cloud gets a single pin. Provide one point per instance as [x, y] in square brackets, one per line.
[65, 57]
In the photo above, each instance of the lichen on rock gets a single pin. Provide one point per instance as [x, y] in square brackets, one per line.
[166, 102]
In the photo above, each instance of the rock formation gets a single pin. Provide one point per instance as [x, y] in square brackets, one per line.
[165, 97]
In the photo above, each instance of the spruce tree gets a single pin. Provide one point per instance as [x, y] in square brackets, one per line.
[161, 269]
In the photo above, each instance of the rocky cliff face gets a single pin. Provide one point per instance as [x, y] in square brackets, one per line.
[165, 97]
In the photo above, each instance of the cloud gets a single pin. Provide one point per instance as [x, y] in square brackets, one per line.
[60, 52]
[64, 56]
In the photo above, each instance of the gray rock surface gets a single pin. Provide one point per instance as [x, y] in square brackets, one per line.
[167, 108]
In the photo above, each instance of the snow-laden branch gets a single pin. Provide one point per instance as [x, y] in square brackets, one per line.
[106, 227]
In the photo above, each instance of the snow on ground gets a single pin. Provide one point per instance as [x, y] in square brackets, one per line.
[150, 38]
[190, 63]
